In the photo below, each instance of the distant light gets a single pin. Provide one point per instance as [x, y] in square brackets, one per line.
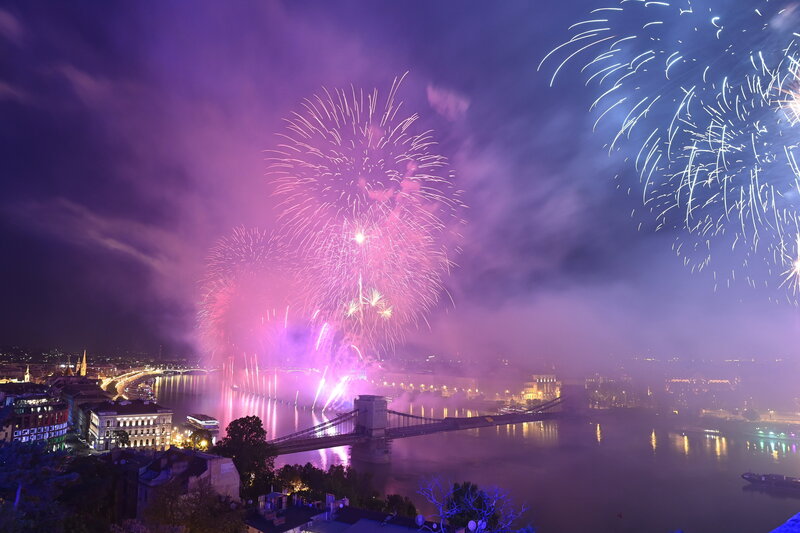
[360, 237]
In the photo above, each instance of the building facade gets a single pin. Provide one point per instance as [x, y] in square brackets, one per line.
[31, 413]
[78, 393]
[147, 425]
[542, 388]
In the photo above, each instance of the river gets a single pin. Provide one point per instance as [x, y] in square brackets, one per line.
[605, 475]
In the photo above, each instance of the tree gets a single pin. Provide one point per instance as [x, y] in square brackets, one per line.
[246, 443]
[490, 509]
[200, 439]
[201, 510]
[164, 509]
[313, 483]
[31, 479]
[211, 513]
[751, 414]
[401, 505]
[129, 526]
[123, 439]
[89, 495]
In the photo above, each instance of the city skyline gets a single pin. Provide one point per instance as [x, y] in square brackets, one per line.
[129, 159]
[301, 266]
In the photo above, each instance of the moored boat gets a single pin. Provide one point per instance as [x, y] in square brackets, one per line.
[772, 480]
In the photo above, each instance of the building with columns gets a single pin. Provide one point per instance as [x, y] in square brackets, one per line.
[147, 425]
[542, 388]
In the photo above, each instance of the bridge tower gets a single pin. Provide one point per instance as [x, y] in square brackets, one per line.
[371, 421]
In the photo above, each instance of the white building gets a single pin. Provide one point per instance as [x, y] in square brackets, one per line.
[147, 424]
[542, 387]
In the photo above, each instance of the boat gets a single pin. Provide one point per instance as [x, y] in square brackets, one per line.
[686, 431]
[776, 434]
[772, 480]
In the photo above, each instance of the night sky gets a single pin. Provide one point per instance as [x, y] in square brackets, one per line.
[133, 137]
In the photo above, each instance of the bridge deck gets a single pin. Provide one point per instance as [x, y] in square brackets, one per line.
[447, 424]
[320, 443]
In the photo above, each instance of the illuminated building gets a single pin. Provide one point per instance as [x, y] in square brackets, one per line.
[8, 372]
[147, 424]
[701, 393]
[30, 413]
[615, 393]
[542, 387]
[203, 422]
[439, 384]
[78, 393]
[82, 367]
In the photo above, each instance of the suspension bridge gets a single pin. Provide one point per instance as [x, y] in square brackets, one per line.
[370, 426]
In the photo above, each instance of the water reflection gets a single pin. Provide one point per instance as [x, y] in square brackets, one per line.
[206, 394]
[776, 449]
[721, 446]
[773, 492]
[551, 465]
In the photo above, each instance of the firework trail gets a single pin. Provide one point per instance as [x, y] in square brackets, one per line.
[250, 325]
[701, 97]
[369, 221]
[371, 210]
[245, 294]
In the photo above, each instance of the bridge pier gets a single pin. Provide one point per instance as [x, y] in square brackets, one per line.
[371, 421]
[374, 451]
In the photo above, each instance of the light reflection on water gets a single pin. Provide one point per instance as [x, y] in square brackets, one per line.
[608, 468]
[204, 393]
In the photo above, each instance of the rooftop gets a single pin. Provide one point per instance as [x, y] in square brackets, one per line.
[175, 464]
[130, 407]
[11, 389]
[293, 517]
[73, 389]
[203, 418]
[352, 515]
[354, 520]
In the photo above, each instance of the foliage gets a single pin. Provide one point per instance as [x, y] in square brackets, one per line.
[30, 481]
[130, 526]
[198, 437]
[401, 505]
[201, 510]
[312, 483]
[123, 439]
[89, 495]
[491, 509]
[164, 508]
[246, 443]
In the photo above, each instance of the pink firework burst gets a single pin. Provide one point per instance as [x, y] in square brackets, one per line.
[370, 208]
